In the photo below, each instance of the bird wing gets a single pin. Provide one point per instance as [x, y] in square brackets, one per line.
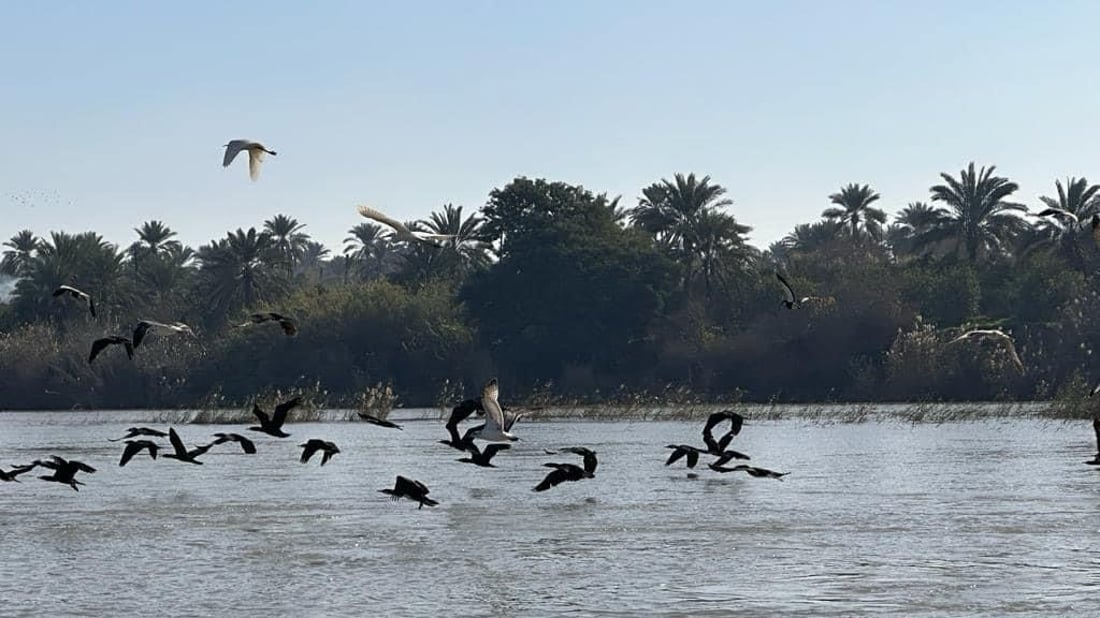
[129, 452]
[97, 347]
[708, 439]
[725, 440]
[493, 413]
[677, 453]
[199, 450]
[786, 288]
[129, 348]
[177, 444]
[693, 458]
[493, 449]
[248, 446]
[255, 158]
[309, 448]
[510, 419]
[231, 150]
[380, 217]
[260, 414]
[288, 326]
[409, 487]
[556, 477]
[139, 332]
[430, 236]
[1013, 355]
[279, 416]
[1096, 430]
[590, 462]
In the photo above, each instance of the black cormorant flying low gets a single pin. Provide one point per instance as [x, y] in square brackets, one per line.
[313, 445]
[75, 293]
[1095, 461]
[15, 471]
[681, 450]
[290, 328]
[273, 426]
[381, 422]
[412, 489]
[590, 461]
[134, 432]
[751, 470]
[133, 447]
[64, 471]
[562, 472]
[458, 414]
[246, 445]
[99, 344]
[180, 452]
[482, 457]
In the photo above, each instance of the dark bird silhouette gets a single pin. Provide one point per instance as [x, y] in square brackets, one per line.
[64, 471]
[180, 452]
[133, 447]
[77, 294]
[290, 328]
[381, 422]
[790, 301]
[1095, 461]
[274, 426]
[590, 461]
[751, 470]
[9, 476]
[247, 445]
[99, 344]
[684, 450]
[411, 489]
[725, 456]
[483, 457]
[458, 414]
[562, 472]
[134, 432]
[313, 445]
[735, 419]
[145, 326]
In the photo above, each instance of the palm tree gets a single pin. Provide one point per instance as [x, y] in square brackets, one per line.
[979, 219]
[676, 213]
[1076, 196]
[470, 243]
[236, 271]
[85, 260]
[289, 240]
[856, 211]
[722, 248]
[369, 250]
[811, 237]
[17, 259]
[313, 258]
[153, 238]
[911, 222]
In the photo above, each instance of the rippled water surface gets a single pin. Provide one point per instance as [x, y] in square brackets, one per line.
[993, 518]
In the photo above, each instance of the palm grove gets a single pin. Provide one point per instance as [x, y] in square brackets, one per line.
[561, 291]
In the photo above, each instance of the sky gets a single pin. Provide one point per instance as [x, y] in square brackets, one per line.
[114, 113]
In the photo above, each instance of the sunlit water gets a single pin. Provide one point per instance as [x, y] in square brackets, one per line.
[993, 518]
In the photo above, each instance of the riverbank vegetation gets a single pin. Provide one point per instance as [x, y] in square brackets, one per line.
[570, 295]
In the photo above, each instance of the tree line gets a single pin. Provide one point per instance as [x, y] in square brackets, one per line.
[561, 291]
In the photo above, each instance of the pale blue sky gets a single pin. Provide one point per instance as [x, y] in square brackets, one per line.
[113, 113]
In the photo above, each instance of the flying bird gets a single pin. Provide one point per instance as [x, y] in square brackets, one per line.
[145, 326]
[134, 432]
[77, 294]
[247, 445]
[458, 414]
[725, 456]
[1095, 461]
[684, 450]
[9, 476]
[381, 422]
[562, 473]
[64, 471]
[411, 489]
[99, 344]
[313, 445]
[497, 425]
[290, 328]
[751, 470]
[790, 301]
[1061, 214]
[274, 426]
[256, 152]
[180, 452]
[590, 461]
[736, 421]
[483, 457]
[402, 231]
[996, 336]
[133, 447]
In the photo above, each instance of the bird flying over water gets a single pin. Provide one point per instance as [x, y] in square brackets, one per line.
[1095, 461]
[256, 152]
[99, 344]
[381, 422]
[412, 489]
[64, 470]
[10, 475]
[684, 450]
[145, 326]
[402, 231]
[180, 452]
[134, 432]
[751, 470]
[289, 326]
[77, 294]
[483, 457]
[497, 425]
[736, 421]
[458, 414]
[133, 447]
[313, 445]
[588, 455]
[273, 426]
[997, 336]
[563, 472]
[247, 445]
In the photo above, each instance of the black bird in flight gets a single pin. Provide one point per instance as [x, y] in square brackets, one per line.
[64, 470]
[313, 445]
[790, 301]
[99, 344]
[1095, 461]
[290, 328]
[247, 445]
[751, 470]
[562, 472]
[411, 489]
[482, 457]
[381, 422]
[15, 471]
[133, 447]
[458, 414]
[134, 432]
[77, 294]
[684, 450]
[180, 452]
[273, 426]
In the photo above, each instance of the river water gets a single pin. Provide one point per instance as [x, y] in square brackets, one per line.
[990, 518]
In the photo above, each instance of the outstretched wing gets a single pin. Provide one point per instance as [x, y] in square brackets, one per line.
[489, 402]
[177, 444]
[380, 217]
[97, 347]
[556, 477]
[787, 291]
[675, 456]
[231, 150]
[139, 332]
[279, 416]
[255, 158]
[493, 449]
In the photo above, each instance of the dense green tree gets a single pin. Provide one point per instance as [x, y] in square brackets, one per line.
[288, 241]
[980, 220]
[855, 211]
[238, 272]
[19, 255]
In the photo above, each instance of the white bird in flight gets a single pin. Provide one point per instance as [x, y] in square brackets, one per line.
[401, 231]
[496, 426]
[145, 326]
[993, 334]
[255, 150]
